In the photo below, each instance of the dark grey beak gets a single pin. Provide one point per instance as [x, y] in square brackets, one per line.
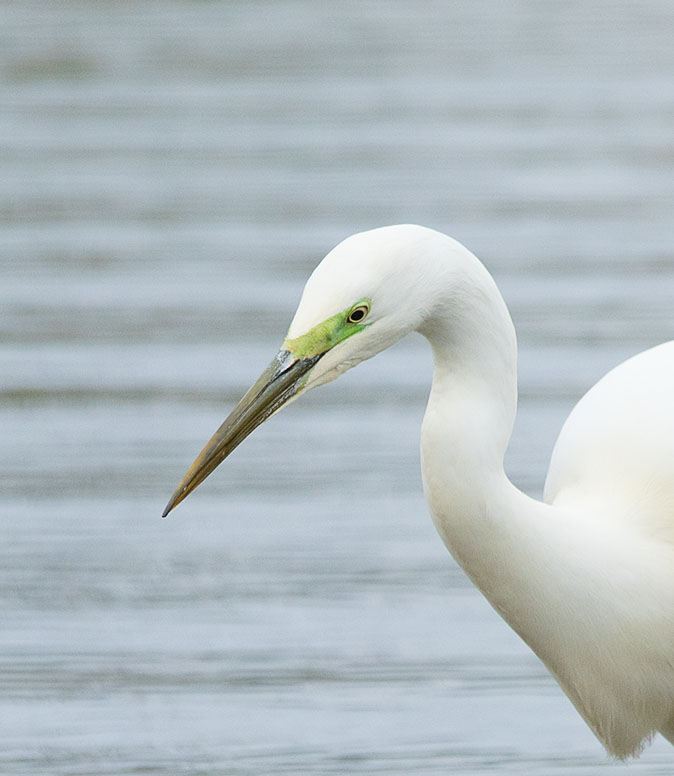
[275, 386]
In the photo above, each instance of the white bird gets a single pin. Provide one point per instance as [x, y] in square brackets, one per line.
[586, 578]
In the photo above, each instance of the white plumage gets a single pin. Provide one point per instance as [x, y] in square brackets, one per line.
[586, 578]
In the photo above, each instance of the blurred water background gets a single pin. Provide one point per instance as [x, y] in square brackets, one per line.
[170, 172]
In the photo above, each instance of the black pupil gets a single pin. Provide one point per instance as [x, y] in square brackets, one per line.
[358, 315]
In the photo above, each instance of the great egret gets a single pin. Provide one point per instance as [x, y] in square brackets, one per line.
[586, 577]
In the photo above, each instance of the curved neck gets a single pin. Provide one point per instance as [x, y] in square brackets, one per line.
[515, 549]
[542, 567]
[474, 395]
[467, 426]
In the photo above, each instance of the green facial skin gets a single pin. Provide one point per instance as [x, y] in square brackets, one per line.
[327, 334]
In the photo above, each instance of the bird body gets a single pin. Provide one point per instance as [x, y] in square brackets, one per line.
[586, 577]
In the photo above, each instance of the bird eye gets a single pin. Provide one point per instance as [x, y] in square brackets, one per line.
[358, 313]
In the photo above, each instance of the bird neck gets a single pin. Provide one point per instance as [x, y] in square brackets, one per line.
[482, 518]
[473, 401]
[573, 586]
[514, 548]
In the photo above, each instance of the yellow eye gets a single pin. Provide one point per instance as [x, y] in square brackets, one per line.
[358, 313]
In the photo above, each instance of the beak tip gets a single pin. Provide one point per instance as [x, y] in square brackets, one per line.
[175, 499]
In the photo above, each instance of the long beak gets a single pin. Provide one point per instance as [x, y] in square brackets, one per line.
[276, 385]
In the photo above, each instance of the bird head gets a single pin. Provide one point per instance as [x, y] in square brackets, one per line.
[360, 300]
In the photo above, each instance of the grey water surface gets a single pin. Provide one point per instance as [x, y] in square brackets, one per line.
[170, 172]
